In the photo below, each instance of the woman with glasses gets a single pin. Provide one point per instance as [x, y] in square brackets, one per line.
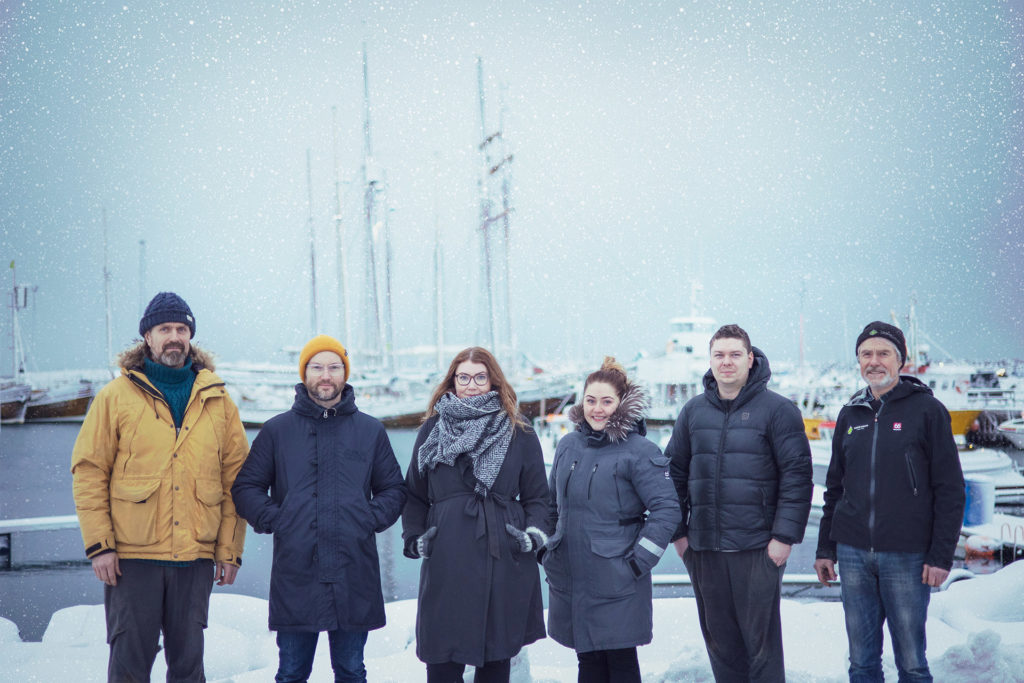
[616, 510]
[475, 515]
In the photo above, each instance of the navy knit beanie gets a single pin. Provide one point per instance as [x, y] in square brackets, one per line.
[167, 307]
[889, 333]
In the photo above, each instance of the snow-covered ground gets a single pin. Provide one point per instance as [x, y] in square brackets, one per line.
[975, 633]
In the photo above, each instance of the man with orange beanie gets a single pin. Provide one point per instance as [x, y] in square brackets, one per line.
[323, 479]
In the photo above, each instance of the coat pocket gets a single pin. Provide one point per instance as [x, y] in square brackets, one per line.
[133, 509]
[610, 576]
[209, 495]
[556, 573]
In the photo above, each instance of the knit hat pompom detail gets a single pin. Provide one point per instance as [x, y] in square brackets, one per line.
[322, 342]
[167, 307]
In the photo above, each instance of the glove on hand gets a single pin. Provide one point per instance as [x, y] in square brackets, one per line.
[423, 543]
[531, 539]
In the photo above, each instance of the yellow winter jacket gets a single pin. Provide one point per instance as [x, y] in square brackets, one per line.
[148, 491]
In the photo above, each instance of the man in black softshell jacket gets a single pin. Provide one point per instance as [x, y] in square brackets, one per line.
[893, 510]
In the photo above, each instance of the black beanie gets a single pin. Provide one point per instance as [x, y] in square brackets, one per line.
[885, 331]
[167, 307]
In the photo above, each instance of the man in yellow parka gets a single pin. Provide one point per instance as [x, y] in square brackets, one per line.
[152, 469]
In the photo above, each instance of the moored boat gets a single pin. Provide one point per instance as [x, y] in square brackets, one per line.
[69, 402]
[1013, 431]
[13, 397]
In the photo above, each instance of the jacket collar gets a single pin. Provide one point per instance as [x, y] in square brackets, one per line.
[907, 386]
[627, 418]
[304, 405]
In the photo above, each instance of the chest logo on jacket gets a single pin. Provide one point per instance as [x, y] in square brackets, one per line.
[857, 428]
[897, 426]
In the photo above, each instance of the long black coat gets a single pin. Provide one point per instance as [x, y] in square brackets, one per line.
[334, 483]
[742, 468]
[479, 595]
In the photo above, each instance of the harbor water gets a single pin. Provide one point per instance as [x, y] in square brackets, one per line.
[49, 571]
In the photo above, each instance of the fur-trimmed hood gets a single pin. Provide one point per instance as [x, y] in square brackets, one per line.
[132, 357]
[626, 419]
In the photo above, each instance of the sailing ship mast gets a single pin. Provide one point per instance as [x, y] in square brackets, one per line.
[19, 301]
[142, 277]
[376, 227]
[438, 280]
[495, 258]
[339, 229]
[106, 289]
[312, 247]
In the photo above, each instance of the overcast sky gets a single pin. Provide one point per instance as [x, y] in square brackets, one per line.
[852, 156]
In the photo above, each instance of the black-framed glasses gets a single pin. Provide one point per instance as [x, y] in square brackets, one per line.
[479, 379]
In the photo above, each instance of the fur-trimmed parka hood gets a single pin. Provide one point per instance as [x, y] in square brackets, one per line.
[627, 418]
[132, 357]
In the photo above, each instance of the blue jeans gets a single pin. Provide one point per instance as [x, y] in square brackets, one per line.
[296, 650]
[878, 587]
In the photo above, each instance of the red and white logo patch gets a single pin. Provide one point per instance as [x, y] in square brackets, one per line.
[897, 426]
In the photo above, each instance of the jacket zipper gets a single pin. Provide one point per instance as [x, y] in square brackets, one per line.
[590, 484]
[910, 471]
[871, 487]
[565, 489]
[718, 478]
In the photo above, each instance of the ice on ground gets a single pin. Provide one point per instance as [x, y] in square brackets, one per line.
[975, 632]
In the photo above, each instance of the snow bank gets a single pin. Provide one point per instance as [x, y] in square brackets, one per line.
[975, 632]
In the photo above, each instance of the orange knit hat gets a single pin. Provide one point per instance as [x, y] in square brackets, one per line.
[319, 343]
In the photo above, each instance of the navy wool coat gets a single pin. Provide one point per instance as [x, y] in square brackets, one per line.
[333, 484]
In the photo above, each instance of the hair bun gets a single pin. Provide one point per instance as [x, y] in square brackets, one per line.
[610, 364]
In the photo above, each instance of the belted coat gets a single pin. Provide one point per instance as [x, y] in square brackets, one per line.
[479, 594]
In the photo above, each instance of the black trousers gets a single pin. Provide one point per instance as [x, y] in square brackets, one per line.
[609, 666]
[738, 597]
[150, 598]
[497, 671]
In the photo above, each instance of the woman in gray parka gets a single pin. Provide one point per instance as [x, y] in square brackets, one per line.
[616, 510]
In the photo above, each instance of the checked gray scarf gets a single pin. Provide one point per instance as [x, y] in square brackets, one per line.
[476, 426]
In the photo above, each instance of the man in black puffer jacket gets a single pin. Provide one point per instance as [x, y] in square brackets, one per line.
[741, 465]
[894, 506]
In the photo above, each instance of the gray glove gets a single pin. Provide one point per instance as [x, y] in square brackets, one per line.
[423, 543]
[531, 539]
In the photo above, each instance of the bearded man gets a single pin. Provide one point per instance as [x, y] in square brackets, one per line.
[323, 479]
[152, 471]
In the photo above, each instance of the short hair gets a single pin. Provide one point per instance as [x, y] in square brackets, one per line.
[732, 331]
[477, 354]
[611, 373]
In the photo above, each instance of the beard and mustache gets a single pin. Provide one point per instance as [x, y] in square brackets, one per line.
[325, 389]
[172, 355]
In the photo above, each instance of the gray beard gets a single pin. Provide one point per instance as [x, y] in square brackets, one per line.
[172, 358]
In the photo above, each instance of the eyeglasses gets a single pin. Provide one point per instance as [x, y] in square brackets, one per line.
[333, 368]
[479, 379]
